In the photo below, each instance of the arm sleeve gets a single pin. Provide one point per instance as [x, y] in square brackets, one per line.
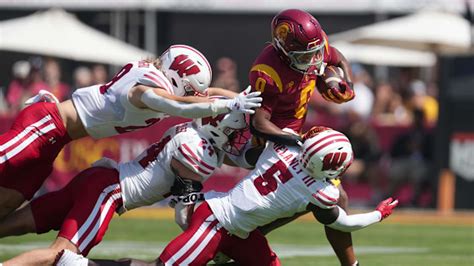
[350, 223]
[186, 110]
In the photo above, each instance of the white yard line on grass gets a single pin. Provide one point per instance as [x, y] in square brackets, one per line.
[147, 250]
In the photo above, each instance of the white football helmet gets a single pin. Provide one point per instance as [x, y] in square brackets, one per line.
[187, 69]
[326, 153]
[225, 131]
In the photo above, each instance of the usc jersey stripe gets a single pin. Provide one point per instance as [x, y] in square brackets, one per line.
[269, 71]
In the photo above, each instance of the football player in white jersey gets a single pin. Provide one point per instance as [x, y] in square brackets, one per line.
[186, 155]
[286, 181]
[141, 94]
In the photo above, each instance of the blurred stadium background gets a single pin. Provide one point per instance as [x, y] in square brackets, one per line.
[411, 124]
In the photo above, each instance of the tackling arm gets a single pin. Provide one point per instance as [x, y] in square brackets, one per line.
[338, 219]
[213, 91]
[190, 106]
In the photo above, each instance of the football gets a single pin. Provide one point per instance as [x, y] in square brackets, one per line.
[330, 79]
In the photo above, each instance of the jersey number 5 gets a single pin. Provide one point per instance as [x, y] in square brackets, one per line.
[267, 182]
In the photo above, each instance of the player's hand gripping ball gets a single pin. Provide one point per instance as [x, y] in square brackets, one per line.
[333, 87]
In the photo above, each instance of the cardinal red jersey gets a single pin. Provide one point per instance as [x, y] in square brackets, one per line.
[285, 91]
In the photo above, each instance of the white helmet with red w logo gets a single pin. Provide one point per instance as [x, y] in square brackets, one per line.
[326, 153]
[225, 131]
[187, 69]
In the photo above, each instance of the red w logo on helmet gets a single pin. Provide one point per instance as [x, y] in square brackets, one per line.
[332, 161]
[184, 65]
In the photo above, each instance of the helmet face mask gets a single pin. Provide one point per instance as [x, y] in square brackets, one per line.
[303, 60]
[226, 131]
[187, 69]
[300, 39]
[326, 153]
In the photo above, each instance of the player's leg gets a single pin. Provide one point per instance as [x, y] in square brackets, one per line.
[45, 256]
[18, 223]
[252, 251]
[198, 244]
[10, 197]
[10, 200]
[97, 195]
[27, 152]
[341, 242]
[82, 211]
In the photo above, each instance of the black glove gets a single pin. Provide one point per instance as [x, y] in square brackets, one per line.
[183, 187]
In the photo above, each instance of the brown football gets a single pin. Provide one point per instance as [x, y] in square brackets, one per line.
[330, 79]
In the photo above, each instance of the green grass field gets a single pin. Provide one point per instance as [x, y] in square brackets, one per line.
[300, 243]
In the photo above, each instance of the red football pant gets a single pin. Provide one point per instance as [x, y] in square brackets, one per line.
[82, 210]
[28, 149]
[205, 237]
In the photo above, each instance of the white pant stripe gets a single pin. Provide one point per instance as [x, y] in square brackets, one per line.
[25, 132]
[94, 212]
[201, 246]
[201, 230]
[98, 224]
[26, 143]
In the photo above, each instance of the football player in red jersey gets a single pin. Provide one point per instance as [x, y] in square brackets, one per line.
[285, 73]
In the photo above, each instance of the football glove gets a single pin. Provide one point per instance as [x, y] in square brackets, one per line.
[343, 94]
[182, 187]
[245, 101]
[386, 207]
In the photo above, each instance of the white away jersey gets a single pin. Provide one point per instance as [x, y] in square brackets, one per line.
[149, 177]
[105, 109]
[276, 188]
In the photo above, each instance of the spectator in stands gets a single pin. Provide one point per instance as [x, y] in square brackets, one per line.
[226, 75]
[99, 74]
[361, 106]
[52, 76]
[421, 100]
[36, 81]
[388, 108]
[365, 167]
[82, 77]
[19, 86]
[411, 158]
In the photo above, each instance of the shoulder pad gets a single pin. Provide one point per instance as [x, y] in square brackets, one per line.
[326, 197]
[264, 77]
[196, 153]
[152, 77]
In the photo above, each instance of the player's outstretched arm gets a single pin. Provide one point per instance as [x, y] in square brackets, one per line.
[214, 91]
[192, 107]
[338, 219]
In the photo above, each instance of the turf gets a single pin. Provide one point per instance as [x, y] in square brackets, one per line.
[436, 244]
